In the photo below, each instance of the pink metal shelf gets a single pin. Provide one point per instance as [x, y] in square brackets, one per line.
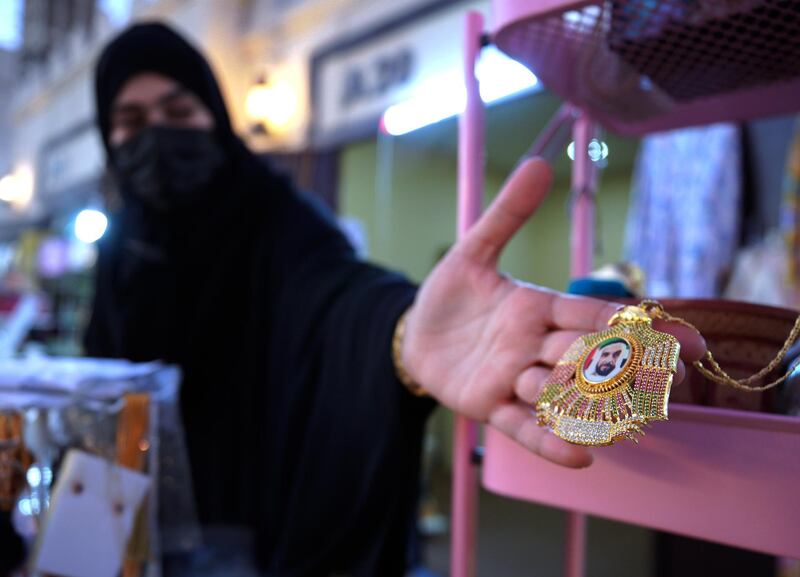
[640, 66]
[714, 474]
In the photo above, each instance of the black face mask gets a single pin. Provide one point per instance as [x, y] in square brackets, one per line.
[168, 168]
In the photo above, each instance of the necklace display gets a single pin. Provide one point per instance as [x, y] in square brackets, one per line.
[611, 384]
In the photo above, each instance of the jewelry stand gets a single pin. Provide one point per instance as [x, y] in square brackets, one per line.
[716, 474]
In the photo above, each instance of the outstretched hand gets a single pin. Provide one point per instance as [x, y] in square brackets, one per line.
[482, 343]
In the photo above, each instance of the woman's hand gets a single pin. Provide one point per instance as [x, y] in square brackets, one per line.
[482, 343]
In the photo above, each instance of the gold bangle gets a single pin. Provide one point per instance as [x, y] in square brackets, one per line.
[397, 356]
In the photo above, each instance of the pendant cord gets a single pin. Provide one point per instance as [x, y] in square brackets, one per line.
[714, 372]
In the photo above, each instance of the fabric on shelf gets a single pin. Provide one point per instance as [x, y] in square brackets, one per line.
[790, 209]
[683, 224]
[768, 271]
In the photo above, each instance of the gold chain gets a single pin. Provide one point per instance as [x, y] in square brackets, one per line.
[713, 371]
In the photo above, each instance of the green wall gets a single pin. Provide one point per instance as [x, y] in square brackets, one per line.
[408, 208]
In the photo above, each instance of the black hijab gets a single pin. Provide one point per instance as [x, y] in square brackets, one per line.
[296, 424]
[154, 47]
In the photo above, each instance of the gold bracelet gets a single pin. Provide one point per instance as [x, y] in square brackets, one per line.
[397, 356]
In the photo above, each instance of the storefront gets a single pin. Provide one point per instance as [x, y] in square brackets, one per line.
[402, 187]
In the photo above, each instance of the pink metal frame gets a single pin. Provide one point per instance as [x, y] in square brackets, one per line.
[584, 184]
[584, 181]
[470, 187]
[470, 192]
[549, 143]
[739, 105]
[715, 474]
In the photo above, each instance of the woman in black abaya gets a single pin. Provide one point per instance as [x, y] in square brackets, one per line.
[281, 332]
[298, 429]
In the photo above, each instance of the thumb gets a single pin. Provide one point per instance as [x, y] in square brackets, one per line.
[518, 200]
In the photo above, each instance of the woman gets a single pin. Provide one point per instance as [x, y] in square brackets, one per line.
[297, 425]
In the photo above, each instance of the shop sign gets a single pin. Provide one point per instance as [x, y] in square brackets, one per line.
[71, 159]
[355, 81]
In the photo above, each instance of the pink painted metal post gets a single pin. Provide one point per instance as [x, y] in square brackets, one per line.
[470, 192]
[584, 179]
[575, 545]
[547, 142]
[583, 185]
[470, 133]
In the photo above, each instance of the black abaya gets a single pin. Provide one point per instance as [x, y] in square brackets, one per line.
[296, 424]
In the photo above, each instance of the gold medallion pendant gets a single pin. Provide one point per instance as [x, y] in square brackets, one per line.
[609, 385]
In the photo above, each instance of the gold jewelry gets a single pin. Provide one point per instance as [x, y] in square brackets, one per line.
[397, 357]
[609, 385]
[715, 373]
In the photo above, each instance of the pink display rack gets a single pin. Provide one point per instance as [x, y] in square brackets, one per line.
[639, 66]
[719, 475]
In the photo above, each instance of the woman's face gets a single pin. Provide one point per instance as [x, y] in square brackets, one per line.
[150, 99]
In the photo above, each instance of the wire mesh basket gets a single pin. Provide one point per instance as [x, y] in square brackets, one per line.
[640, 65]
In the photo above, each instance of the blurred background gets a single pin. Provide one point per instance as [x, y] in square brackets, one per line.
[307, 83]
[357, 99]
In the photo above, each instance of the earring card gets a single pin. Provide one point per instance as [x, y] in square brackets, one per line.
[90, 519]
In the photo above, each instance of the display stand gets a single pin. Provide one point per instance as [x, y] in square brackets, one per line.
[125, 414]
[721, 475]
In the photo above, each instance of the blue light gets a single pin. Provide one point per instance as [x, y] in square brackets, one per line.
[90, 225]
[10, 24]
